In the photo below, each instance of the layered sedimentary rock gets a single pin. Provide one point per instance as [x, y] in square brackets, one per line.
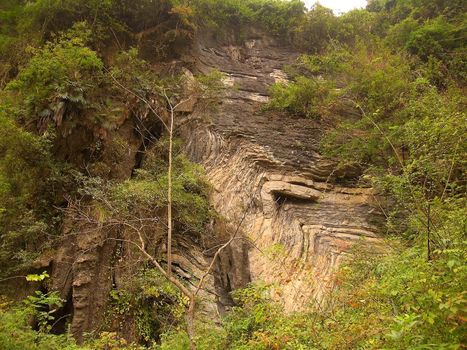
[268, 175]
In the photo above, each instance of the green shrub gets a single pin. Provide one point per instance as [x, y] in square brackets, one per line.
[155, 305]
[313, 32]
[402, 299]
[15, 325]
[308, 97]
[63, 70]
[277, 16]
[431, 39]
[30, 186]
[149, 190]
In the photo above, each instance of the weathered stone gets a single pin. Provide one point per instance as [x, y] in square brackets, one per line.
[267, 164]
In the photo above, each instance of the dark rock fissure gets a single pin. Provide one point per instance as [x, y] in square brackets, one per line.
[149, 136]
[63, 316]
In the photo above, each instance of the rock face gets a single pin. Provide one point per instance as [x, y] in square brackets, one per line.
[295, 221]
[266, 170]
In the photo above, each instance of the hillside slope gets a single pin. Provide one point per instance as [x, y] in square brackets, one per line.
[236, 174]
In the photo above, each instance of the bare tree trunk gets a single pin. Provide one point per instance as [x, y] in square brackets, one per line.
[428, 243]
[190, 322]
[169, 195]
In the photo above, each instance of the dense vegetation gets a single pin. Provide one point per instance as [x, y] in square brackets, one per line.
[387, 84]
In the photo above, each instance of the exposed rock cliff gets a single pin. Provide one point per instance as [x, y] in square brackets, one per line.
[296, 221]
[300, 223]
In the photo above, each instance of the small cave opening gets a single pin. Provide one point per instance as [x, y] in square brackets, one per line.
[63, 315]
[59, 314]
[223, 289]
[149, 135]
[281, 199]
